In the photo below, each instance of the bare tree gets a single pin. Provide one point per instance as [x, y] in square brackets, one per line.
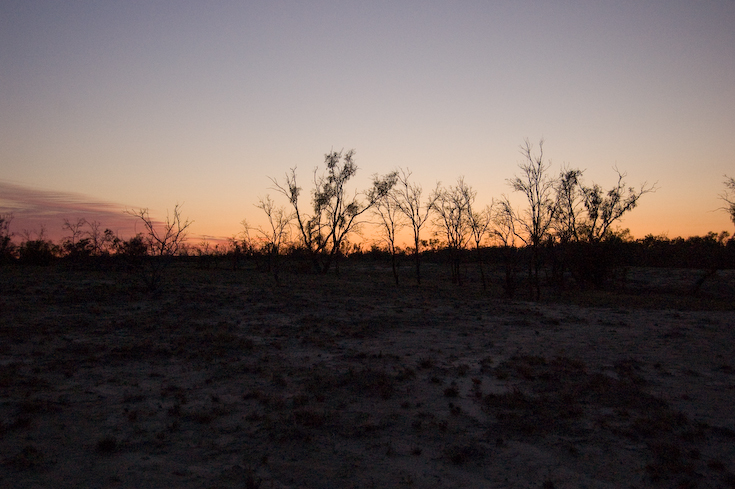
[717, 259]
[161, 241]
[504, 230]
[99, 240]
[728, 196]
[452, 208]
[334, 213]
[479, 222]
[536, 220]
[40, 235]
[240, 244]
[6, 238]
[75, 228]
[389, 212]
[168, 240]
[38, 251]
[408, 200]
[74, 245]
[276, 234]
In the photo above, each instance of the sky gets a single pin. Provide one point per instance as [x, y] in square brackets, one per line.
[107, 105]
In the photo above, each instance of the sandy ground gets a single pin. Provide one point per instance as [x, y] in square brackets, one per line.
[224, 380]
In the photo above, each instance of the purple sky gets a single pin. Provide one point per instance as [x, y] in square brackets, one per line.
[146, 104]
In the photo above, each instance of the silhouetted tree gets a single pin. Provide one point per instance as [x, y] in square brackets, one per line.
[389, 212]
[38, 250]
[162, 242]
[479, 222]
[452, 208]
[75, 228]
[6, 239]
[241, 245]
[408, 200]
[533, 223]
[569, 202]
[101, 242]
[504, 231]
[728, 196]
[205, 253]
[170, 235]
[334, 214]
[583, 223]
[564, 227]
[74, 245]
[276, 234]
[134, 250]
[709, 253]
[603, 208]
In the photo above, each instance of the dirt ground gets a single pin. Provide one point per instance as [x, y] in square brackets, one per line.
[222, 379]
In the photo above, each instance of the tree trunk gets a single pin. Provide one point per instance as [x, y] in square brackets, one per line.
[482, 270]
[417, 259]
[393, 264]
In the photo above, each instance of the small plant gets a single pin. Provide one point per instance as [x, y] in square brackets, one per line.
[461, 454]
[253, 394]
[175, 410]
[279, 380]
[107, 445]
[426, 363]
[201, 417]
[29, 457]
[300, 400]
[373, 382]
[251, 481]
[406, 374]
[389, 449]
[309, 418]
[253, 416]
[669, 460]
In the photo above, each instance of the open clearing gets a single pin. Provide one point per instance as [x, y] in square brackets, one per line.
[224, 380]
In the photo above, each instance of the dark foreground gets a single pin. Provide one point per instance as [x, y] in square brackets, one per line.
[223, 380]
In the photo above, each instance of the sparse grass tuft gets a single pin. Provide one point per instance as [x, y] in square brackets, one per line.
[29, 457]
[451, 391]
[107, 445]
[309, 418]
[426, 363]
[461, 454]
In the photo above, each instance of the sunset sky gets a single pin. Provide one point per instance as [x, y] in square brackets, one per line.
[109, 105]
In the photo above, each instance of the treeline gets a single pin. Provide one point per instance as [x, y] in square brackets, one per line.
[563, 234]
[570, 264]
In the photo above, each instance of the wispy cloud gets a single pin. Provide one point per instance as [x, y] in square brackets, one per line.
[34, 209]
